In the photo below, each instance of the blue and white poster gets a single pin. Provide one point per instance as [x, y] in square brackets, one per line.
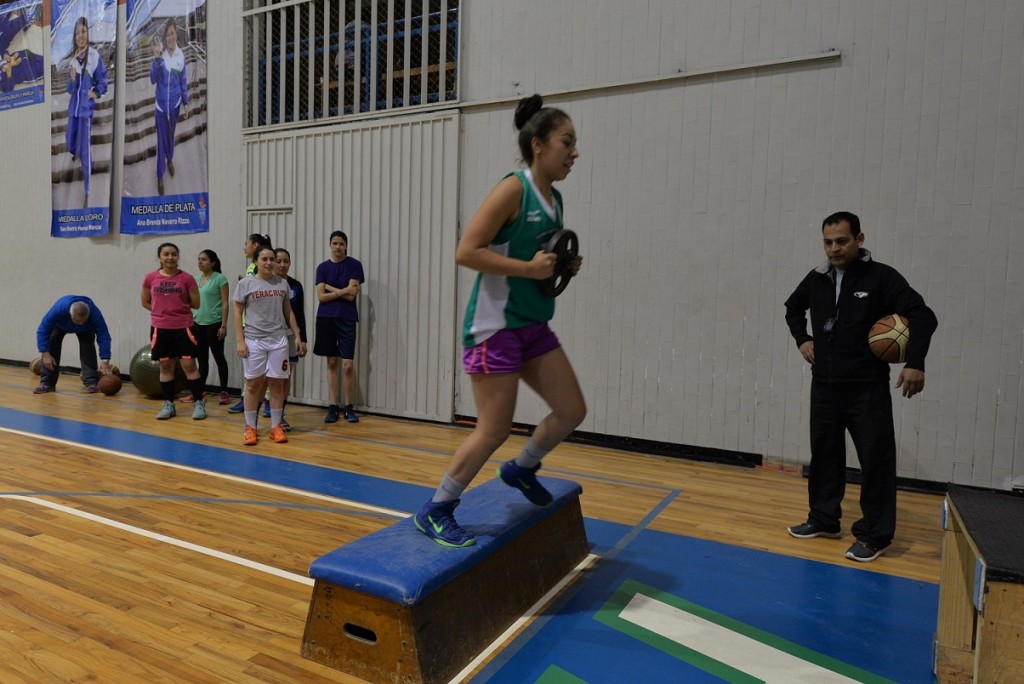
[83, 49]
[165, 188]
[22, 80]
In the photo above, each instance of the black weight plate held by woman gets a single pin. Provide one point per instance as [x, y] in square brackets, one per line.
[566, 246]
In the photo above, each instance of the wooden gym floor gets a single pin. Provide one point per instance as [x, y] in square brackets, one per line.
[138, 550]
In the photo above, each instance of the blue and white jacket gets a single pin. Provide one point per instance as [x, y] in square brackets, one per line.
[168, 73]
[92, 76]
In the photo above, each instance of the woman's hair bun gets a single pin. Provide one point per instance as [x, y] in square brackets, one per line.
[526, 108]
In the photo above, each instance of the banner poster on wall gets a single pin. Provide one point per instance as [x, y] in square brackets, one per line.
[165, 187]
[83, 49]
[22, 80]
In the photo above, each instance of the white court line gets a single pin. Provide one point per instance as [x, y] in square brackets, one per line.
[213, 473]
[210, 473]
[494, 646]
[725, 645]
[165, 539]
[533, 610]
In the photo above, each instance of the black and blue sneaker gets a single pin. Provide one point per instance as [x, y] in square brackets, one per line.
[436, 521]
[525, 480]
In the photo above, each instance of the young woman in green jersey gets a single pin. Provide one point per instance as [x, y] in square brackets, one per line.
[211, 319]
[506, 336]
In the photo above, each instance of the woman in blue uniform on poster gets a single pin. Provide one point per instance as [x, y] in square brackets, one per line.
[167, 73]
[87, 82]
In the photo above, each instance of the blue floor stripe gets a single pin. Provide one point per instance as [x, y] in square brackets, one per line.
[313, 478]
[541, 621]
[879, 623]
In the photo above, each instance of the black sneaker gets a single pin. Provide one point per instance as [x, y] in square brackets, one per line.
[864, 552]
[809, 530]
[332, 414]
[350, 414]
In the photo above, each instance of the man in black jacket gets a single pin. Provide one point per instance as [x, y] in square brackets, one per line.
[850, 386]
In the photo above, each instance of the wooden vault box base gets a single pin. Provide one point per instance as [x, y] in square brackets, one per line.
[388, 629]
[980, 633]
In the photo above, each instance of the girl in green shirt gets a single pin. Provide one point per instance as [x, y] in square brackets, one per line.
[506, 334]
[211, 319]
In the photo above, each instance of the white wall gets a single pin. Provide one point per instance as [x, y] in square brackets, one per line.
[699, 204]
[698, 201]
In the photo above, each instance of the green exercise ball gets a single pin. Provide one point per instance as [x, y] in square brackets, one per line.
[144, 373]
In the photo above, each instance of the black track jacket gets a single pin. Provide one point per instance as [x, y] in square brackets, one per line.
[869, 291]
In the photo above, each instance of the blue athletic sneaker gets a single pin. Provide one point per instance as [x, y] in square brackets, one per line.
[237, 408]
[266, 409]
[436, 521]
[525, 480]
[167, 411]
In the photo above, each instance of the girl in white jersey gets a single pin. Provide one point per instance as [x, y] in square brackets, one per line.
[506, 335]
[251, 248]
[263, 301]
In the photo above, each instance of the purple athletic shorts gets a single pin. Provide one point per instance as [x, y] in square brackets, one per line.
[507, 350]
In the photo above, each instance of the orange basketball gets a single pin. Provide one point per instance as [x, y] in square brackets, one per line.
[36, 366]
[889, 338]
[109, 384]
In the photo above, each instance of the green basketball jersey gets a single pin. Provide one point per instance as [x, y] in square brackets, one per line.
[499, 302]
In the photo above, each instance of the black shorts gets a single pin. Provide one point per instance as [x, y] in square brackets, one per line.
[172, 344]
[335, 337]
